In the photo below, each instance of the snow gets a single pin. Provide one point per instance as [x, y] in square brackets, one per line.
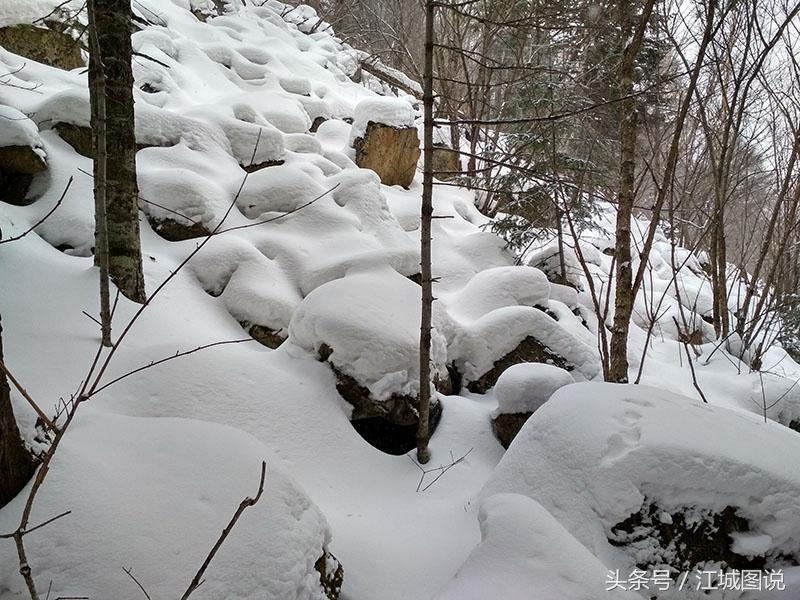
[525, 387]
[394, 112]
[525, 554]
[370, 320]
[156, 464]
[595, 452]
[18, 130]
[173, 496]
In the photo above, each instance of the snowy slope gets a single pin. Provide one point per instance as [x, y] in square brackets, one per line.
[241, 90]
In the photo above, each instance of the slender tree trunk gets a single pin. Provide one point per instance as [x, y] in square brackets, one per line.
[16, 463]
[98, 104]
[112, 19]
[623, 302]
[423, 453]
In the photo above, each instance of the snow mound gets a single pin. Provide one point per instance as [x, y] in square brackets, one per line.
[525, 554]
[495, 288]
[172, 490]
[19, 130]
[280, 188]
[260, 293]
[526, 386]
[596, 454]
[370, 320]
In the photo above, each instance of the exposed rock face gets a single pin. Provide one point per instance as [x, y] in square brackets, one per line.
[685, 539]
[389, 151]
[18, 165]
[46, 46]
[176, 231]
[266, 336]
[331, 575]
[529, 350]
[80, 138]
[391, 424]
[445, 163]
[507, 426]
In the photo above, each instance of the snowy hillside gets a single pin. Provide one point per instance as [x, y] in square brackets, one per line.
[246, 122]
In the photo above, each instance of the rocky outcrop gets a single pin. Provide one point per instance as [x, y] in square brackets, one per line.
[80, 138]
[390, 424]
[177, 231]
[445, 162]
[46, 46]
[265, 336]
[507, 426]
[529, 350]
[391, 152]
[685, 539]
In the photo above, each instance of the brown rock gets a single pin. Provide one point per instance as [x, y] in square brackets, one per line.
[529, 350]
[507, 426]
[389, 151]
[46, 46]
[80, 138]
[265, 336]
[445, 163]
[176, 231]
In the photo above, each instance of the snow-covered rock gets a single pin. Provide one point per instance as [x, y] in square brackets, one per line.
[158, 511]
[602, 457]
[525, 554]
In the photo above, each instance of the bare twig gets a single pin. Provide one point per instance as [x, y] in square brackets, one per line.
[442, 469]
[129, 573]
[245, 504]
[43, 219]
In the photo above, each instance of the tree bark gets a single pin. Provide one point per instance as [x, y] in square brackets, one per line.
[112, 20]
[423, 453]
[97, 98]
[16, 463]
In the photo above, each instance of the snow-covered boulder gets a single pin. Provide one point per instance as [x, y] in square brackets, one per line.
[520, 391]
[22, 155]
[502, 317]
[260, 296]
[154, 500]
[385, 139]
[525, 554]
[549, 261]
[649, 479]
[366, 326]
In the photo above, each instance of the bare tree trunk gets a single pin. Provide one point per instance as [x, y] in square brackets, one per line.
[98, 104]
[624, 298]
[112, 19]
[423, 453]
[16, 463]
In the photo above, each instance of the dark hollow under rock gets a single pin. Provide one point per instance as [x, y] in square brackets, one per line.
[529, 350]
[18, 165]
[389, 425]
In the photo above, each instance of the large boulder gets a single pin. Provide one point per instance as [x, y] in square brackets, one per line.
[648, 479]
[22, 155]
[520, 391]
[385, 139]
[503, 317]
[47, 46]
[366, 327]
